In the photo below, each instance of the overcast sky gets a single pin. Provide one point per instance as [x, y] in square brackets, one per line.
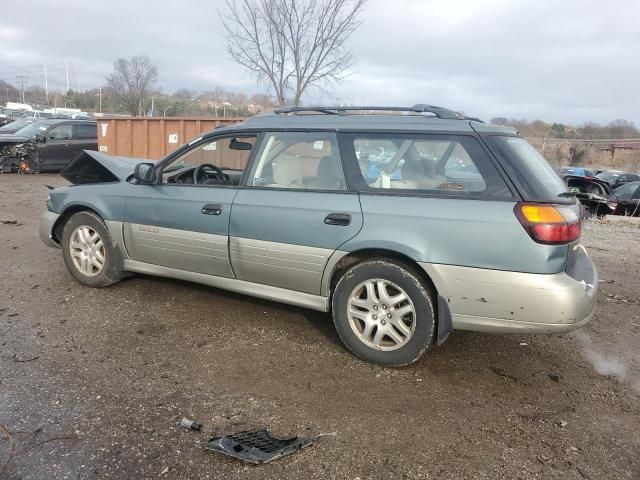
[560, 60]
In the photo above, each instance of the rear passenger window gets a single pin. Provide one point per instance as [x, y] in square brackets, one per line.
[447, 164]
[85, 131]
[298, 160]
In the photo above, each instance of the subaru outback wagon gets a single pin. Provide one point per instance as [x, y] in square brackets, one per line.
[404, 223]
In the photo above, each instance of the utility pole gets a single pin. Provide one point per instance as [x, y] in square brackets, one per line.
[46, 83]
[66, 67]
[100, 96]
[21, 79]
[7, 89]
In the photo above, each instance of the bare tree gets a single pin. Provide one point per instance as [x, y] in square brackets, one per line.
[131, 80]
[292, 44]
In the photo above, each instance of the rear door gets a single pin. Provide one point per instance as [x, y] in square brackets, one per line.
[85, 137]
[293, 212]
[54, 152]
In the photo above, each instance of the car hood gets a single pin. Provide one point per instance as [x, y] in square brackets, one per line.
[14, 139]
[97, 167]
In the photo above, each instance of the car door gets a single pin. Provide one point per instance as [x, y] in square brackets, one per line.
[293, 212]
[85, 137]
[53, 152]
[630, 200]
[627, 198]
[179, 224]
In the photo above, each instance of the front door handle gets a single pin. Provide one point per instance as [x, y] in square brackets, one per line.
[212, 209]
[342, 219]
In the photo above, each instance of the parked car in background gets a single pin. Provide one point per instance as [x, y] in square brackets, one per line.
[461, 225]
[15, 125]
[576, 171]
[596, 195]
[628, 199]
[616, 178]
[47, 145]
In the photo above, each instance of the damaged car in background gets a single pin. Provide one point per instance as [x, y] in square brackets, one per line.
[599, 199]
[46, 145]
[596, 195]
[440, 236]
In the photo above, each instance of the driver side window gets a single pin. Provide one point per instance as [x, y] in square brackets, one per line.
[61, 132]
[229, 154]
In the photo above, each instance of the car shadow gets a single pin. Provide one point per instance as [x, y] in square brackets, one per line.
[320, 321]
[462, 347]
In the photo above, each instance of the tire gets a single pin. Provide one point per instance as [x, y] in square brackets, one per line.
[111, 271]
[359, 331]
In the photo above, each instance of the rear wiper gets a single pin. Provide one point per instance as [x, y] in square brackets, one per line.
[567, 194]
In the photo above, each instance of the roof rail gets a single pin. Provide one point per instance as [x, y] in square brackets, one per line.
[439, 112]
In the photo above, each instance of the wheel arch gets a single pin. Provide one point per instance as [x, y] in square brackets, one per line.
[67, 213]
[357, 256]
[444, 323]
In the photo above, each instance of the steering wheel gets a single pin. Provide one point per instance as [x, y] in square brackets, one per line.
[218, 174]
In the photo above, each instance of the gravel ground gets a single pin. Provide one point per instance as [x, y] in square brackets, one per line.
[93, 382]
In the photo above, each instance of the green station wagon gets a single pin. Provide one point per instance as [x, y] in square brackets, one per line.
[404, 223]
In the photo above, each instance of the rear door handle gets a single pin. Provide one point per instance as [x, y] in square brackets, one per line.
[342, 219]
[212, 209]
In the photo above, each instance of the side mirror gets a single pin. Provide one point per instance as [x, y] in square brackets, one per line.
[40, 138]
[144, 172]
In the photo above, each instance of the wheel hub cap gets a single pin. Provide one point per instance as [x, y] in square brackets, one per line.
[87, 250]
[381, 314]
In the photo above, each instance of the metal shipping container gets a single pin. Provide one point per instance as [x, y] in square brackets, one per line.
[152, 137]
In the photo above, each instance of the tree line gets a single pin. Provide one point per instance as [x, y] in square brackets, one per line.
[616, 129]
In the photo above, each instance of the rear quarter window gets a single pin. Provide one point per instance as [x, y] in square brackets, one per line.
[529, 170]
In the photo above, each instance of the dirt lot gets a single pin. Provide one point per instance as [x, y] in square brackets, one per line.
[93, 382]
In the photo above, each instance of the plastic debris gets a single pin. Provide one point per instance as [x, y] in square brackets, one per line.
[257, 446]
[190, 424]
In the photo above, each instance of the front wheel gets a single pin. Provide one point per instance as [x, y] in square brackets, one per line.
[383, 312]
[88, 251]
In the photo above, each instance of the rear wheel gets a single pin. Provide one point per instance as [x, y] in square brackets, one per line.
[88, 251]
[383, 312]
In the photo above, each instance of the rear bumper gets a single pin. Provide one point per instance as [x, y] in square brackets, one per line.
[47, 221]
[513, 302]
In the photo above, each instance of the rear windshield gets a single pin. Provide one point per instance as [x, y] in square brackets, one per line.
[529, 170]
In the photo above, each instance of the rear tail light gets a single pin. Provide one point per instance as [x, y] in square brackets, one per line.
[549, 224]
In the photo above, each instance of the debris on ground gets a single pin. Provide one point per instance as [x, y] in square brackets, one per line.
[10, 222]
[190, 424]
[506, 375]
[562, 423]
[24, 360]
[554, 376]
[257, 446]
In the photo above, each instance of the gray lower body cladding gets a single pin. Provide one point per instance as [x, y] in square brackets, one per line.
[479, 299]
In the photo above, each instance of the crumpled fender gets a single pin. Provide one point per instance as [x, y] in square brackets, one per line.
[97, 167]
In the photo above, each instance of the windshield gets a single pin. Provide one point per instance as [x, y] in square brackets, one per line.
[530, 170]
[18, 124]
[30, 131]
[608, 176]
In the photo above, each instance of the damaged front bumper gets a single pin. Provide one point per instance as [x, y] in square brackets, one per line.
[47, 221]
[497, 301]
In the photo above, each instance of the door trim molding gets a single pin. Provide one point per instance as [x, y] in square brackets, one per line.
[268, 292]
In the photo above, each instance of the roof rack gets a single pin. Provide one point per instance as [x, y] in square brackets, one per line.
[439, 112]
